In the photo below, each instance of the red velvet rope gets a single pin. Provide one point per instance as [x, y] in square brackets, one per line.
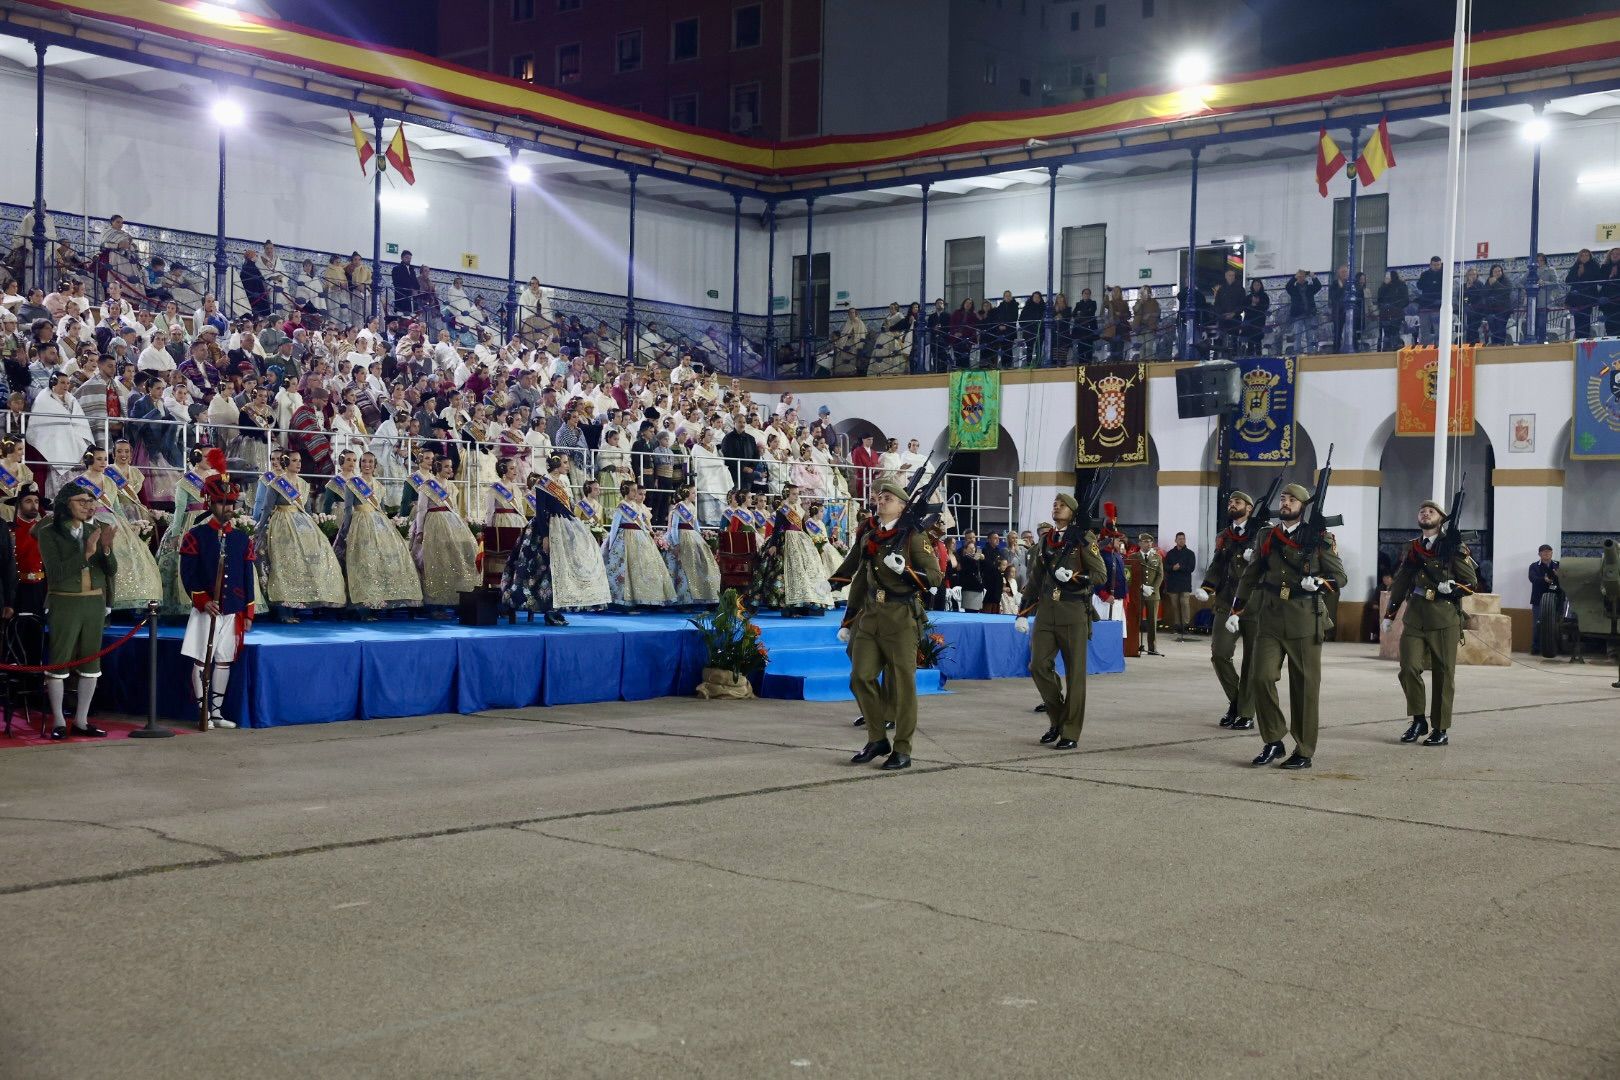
[37, 668]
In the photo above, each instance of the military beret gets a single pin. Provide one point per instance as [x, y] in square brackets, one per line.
[1145, 538]
[1070, 501]
[892, 487]
[1244, 495]
[1436, 507]
[1297, 491]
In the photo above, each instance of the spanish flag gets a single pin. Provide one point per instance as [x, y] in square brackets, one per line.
[1329, 160]
[398, 155]
[362, 145]
[1378, 158]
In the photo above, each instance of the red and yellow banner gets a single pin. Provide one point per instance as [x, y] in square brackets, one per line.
[1417, 372]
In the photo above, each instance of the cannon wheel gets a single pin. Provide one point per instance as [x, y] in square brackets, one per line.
[1549, 625]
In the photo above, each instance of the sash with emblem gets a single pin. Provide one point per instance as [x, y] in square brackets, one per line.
[1110, 418]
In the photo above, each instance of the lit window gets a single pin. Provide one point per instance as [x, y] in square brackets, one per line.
[523, 67]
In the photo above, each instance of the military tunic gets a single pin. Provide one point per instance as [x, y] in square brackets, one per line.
[884, 617]
[1063, 616]
[1221, 580]
[1432, 627]
[1293, 623]
[1152, 577]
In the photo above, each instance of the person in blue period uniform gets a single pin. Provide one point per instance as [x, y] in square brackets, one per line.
[216, 570]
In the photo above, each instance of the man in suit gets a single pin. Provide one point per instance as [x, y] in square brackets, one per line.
[1543, 574]
[405, 284]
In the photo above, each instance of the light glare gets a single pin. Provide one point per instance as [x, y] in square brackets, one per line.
[1536, 129]
[228, 112]
[1191, 69]
[519, 173]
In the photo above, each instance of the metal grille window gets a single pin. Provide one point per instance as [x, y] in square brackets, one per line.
[1085, 253]
[568, 69]
[964, 271]
[683, 109]
[1372, 237]
[627, 51]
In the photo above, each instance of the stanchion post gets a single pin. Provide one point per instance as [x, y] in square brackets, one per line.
[151, 730]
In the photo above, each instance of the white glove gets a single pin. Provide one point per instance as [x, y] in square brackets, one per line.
[1232, 624]
[1386, 626]
[895, 562]
[955, 593]
[1444, 588]
[1021, 625]
[1248, 554]
[843, 634]
[1309, 584]
[1147, 590]
[933, 590]
[1063, 573]
[1202, 594]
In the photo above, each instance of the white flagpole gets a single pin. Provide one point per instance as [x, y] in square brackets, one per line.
[1442, 385]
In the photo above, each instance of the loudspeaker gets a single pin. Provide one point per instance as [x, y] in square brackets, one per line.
[1208, 389]
[480, 607]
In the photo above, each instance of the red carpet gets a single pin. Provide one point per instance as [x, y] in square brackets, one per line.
[117, 731]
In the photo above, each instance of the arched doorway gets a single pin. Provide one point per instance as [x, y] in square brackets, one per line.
[1255, 479]
[1406, 473]
[1133, 489]
[983, 483]
[852, 430]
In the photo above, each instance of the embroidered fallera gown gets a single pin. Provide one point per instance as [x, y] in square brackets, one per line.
[138, 579]
[692, 565]
[301, 568]
[376, 559]
[636, 572]
[444, 547]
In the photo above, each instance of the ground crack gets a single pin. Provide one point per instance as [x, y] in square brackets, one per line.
[224, 853]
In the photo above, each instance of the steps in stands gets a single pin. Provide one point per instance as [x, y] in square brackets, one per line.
[808, 662]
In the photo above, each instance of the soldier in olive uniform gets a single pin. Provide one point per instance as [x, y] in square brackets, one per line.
[1152, 582]
[889, 571]
[1067, 568]
[1234, 551]
[1432, 589]
[1283, 590]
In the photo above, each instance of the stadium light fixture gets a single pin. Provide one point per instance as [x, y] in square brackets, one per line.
[228, 112]
[519, 173]
[1191, 69]
[1536, 129]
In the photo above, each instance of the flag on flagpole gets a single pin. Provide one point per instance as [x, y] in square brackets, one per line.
[1329, 160]
[399, 155]
[362, 145]
[1378, 157]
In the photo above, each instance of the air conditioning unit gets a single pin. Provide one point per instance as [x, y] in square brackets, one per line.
[743, 122]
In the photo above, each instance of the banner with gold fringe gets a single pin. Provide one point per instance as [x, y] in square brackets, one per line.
[1263, 427]
[975, 410]
[1110, 415]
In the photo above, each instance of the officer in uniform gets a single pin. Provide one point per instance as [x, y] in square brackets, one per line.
[216, 553]
[1432, 589]
[1068, 566]
[1234, 551]
[1283, 590]
[889, 570]
[1152, 582]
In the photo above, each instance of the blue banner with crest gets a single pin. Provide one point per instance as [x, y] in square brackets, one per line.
[1596, 434]
[1263, 428]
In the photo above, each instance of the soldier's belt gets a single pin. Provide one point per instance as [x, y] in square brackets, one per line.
[893, 596]
[1062, 594]
[1287, 592]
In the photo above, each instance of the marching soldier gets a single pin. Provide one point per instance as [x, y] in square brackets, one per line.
[1067, 568]
[1152, 582]
[1432, 586]
[1234, 551]
[1283, 591]
[889, 570]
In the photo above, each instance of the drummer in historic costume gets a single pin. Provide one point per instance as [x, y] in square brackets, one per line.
[376, 559]
[443, 545]
[691, 564]
[636, 573]
[138, 581]
[189, 507]
[301, 569]
[216, 568]
[504, 519]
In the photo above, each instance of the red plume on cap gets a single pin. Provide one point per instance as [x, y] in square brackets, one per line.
[1110, 511]
[219, 488]
[216, 460]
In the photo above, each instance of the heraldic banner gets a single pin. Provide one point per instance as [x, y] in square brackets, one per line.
[975, 410]
[1417, 371]
[1597, 401]
[1263, 429]
[1110, 415]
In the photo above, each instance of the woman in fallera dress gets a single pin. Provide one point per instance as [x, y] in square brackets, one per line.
[137, 581]
[190, 507]
[589, 506]
[691, 564]
[444, 547]
[129, 481]
[803, 575]
[557, 564]
[504, 519]
[13, 475]
[301, 569]
[832, 557]
[376, 559]
[636, 572]
[739, 544]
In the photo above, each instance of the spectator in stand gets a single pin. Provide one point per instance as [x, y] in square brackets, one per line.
[1498, 305]
[1539, 292]
[1085, 327]
[1032, 327]
[114, 234]
[964, 333]
[33, 309]
[1256, 308]
[1609, 294]
[1473, 305]
[405, 285]
[308, 435]
[1062, 331]
[865, 461]
[254, 287]
[1116, 323]
[1429, 284]
[1145, 322]
[939, 330]
[1393, 297]
[1302, 292]
[1583, 289]
[975, 575]
[1229, 305]
[1179, 563]
[1002, 322]
[23, 246]
[1339, 298]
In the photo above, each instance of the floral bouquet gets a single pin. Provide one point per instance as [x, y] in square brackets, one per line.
[931, 645]
[734, 648]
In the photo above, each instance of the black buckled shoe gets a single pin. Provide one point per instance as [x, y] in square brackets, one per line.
[896, 761]
[1243, 723]
[1437, 738]
[89, 731]
[1051, 734]
[871, 750]
[1296, 761]
[1065, 744]
[1229, 719]
[1269, 753]
[860, 721]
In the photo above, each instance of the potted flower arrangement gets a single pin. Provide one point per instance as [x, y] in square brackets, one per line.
[931, 647]
[734, 649]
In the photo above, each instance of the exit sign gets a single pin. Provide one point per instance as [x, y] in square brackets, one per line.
[392, 249]
[1145, 273]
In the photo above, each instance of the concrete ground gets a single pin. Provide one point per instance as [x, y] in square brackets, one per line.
[677, 888]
